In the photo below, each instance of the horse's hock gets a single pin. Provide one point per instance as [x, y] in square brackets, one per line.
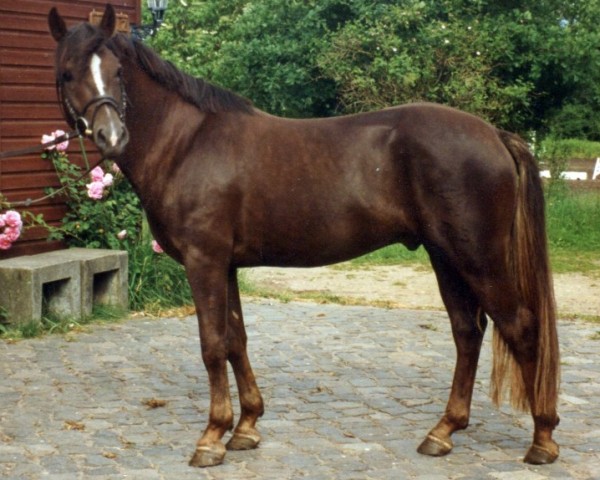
[63, 283]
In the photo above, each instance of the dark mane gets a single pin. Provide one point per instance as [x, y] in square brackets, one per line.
[204, 95]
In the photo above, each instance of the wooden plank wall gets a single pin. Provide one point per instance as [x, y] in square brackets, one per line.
[29, 107]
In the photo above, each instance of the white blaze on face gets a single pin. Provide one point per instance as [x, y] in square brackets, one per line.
[95, 65]
[95, 68]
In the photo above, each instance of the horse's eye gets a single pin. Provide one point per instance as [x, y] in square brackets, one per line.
[66, 76]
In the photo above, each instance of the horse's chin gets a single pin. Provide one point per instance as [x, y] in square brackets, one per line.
[112, 153]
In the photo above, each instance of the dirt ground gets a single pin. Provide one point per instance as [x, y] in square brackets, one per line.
[405, 287]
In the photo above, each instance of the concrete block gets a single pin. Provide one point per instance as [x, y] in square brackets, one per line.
[103, 276]
[35, 285]
[65, 283]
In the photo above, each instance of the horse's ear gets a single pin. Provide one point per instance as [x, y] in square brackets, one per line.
[109, 21]
[58, 27]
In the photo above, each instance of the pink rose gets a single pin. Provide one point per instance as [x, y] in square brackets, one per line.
[107, 180]
[97, 174]
[122, 234]
[2, 222]
[12, 233]
[46, 139]
[95, 190]
[115, 168]
[5, 243]
[12, 218]
[156, 248]
[61, 147]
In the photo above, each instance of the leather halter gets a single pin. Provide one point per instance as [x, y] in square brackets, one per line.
[78, 120]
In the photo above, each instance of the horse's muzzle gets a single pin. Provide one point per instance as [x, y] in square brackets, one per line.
[111, 139]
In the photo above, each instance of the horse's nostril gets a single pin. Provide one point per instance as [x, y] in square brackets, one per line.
[101, 137]
[124, 136]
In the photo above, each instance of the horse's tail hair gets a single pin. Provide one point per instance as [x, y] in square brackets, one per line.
[531, 268]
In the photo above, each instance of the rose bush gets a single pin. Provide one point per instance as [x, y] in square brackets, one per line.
[104, 212]
[99, 205]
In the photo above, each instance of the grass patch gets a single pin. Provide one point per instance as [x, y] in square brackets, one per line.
[573, 223]
[51, 324]
[396, 254]
[580, 316]
[156, 282]
[250, 289]
[566, 261]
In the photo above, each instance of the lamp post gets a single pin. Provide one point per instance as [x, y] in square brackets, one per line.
[157, 9]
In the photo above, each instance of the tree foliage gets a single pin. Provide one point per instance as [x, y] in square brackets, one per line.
[525, 65]
[264, 50]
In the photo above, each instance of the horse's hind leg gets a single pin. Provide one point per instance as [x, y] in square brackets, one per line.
[517, 345]
[468, 326]
[245, 435]
[520, 332]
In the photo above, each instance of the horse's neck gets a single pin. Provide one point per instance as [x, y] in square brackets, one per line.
[161, 128]
[145, 120]
[149, 120]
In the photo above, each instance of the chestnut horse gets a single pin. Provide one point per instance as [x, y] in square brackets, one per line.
[225, 186]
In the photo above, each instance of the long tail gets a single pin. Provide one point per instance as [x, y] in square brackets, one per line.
[529, 260]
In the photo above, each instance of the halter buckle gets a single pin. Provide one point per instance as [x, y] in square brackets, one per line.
[83, 127]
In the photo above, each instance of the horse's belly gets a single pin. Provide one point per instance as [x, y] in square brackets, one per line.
[320, 242]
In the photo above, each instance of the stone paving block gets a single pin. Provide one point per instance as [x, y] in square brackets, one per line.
[347, 437]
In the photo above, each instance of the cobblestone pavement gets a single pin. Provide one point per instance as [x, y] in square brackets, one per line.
[350, 392]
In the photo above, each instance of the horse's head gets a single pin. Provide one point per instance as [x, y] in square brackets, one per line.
[89, 83]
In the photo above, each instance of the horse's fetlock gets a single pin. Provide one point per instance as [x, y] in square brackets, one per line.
[546, 421]
[456, 421]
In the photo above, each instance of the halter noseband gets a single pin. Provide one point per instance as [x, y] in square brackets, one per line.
[78, 120]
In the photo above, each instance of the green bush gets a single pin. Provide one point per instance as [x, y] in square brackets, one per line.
[568, 148]
[156, 281]
[576, 120]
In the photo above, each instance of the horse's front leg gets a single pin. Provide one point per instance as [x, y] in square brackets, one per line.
[209, 288]
[245, 435]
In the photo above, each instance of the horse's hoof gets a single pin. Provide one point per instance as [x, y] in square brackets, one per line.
[208, 455]
[244, 440]
[434, 446]
[538, 455]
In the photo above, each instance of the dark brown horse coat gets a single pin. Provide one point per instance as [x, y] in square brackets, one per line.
[225, 186]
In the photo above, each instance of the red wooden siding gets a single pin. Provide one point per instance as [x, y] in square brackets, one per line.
[28, 103]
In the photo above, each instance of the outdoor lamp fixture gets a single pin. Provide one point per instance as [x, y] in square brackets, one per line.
[158, 9]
